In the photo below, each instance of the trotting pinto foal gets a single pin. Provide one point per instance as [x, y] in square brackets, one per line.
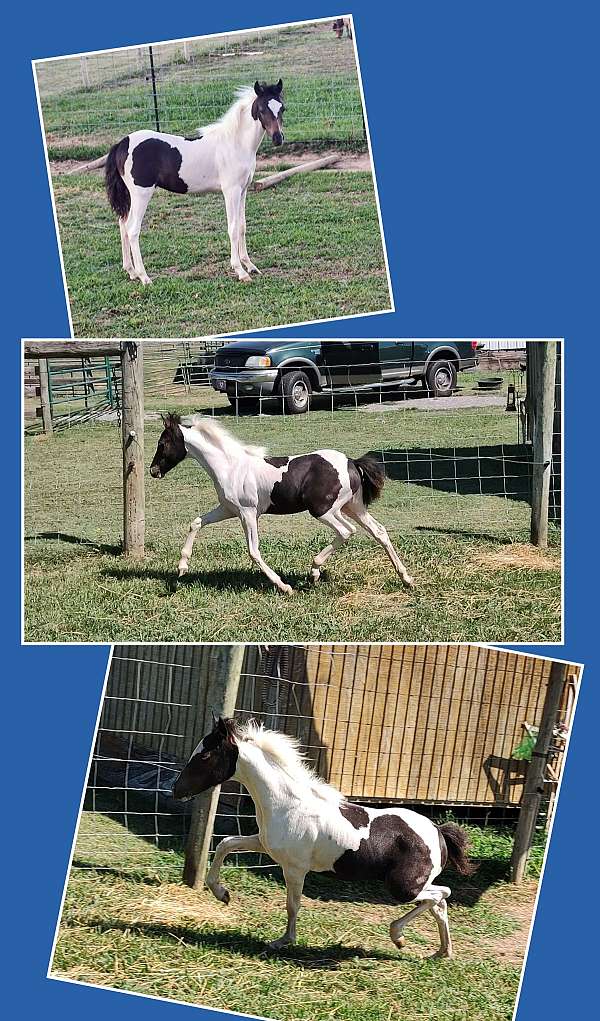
[221, 158]
[305, 825]
[333, 488]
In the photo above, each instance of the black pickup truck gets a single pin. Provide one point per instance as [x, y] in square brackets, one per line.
[246, 370]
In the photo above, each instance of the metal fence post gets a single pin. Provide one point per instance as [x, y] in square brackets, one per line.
[534, 782]
[133, 449]
[154, 96]
[543, 422]
[226, 663]
[45, 402]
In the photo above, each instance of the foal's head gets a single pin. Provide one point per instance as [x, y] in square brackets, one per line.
[171, 447]
[268, 108]
[211, 763]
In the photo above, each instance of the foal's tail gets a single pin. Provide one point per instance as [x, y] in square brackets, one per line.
[457, 844]
[372, 478]
[116, 189]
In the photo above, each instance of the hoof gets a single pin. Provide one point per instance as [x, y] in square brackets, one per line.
[221, 893]
[441, 955]
[246, 279]
[287, 590]
[315, 575]
[253, 269]
[277, 944]
[408, 582]
[182, 567]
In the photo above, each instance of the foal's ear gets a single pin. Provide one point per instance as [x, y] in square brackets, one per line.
[258, 88]
[279, 86]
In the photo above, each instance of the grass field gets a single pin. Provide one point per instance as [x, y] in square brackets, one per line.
[315, 237]
[476, 577]
[128, 923]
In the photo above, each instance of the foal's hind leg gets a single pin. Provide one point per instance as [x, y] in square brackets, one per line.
[345, 530]
[140, 198]
[432, 899]
[374, 528]
[210, 518]
[126, 251]
[228, 846]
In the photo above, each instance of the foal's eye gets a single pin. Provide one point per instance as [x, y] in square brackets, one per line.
[204, 756]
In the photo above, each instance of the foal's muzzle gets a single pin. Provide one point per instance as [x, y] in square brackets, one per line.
[277, 137]
[155, 471]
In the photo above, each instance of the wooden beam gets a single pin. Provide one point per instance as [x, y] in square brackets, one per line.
[543, 410]
[70, 348]
[45, 405]
[226, 663]
[134, 492]
[534, 782]
[269, 182]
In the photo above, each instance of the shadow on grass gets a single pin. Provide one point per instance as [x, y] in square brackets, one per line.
[231, 940]
[106, 549]
[238, 579]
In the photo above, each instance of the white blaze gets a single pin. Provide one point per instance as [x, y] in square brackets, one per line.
[274, 106]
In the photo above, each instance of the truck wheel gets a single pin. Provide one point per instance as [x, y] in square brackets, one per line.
[296, 391]
[440, 378]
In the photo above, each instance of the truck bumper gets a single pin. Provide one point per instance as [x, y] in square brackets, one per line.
[249, 381]
[468, 363]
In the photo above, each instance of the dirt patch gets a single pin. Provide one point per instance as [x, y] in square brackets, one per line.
[518, 556]
[511, 949]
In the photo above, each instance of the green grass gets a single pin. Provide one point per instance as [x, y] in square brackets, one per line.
[316, 238]
[130, 924]
[78, 586]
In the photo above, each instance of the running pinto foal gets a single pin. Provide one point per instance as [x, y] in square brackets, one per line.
[305, 825]
[332, 487]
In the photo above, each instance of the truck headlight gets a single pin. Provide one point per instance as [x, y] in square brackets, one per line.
[258, 362]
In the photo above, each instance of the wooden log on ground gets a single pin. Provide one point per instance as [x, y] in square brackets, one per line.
[94, 165]
[269, 182]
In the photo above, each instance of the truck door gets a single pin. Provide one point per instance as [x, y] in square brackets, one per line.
[351, 362]
[396, 359]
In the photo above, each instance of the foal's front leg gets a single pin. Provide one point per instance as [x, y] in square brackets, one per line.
[210, 518]
[233, 200]
[294, 882]
[245, 258]
[228, 846]
[250, 525]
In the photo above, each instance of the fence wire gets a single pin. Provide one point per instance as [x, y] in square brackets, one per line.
[463, 459]
[436, 727]
[91, 101]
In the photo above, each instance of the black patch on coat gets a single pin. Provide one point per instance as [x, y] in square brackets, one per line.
[355, 476]
[156, 163]
[277, 462]
[310, 484]
[443, 849]
[393, 853]
[355, 815]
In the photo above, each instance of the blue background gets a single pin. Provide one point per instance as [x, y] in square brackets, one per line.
[484, 123]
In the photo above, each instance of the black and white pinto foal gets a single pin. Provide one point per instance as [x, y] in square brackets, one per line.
[332, 487]
[221, 158]
[305, 825]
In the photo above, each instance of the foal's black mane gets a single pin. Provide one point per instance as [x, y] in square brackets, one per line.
[171, 421]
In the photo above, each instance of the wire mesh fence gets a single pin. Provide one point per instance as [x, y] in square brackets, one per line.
[439, 727]
[91, 100]
[466, 458]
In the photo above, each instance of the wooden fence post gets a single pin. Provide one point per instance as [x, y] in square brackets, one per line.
[132, 366]
[543, 422]
[45, 397]
[534, 781]
[226, 663]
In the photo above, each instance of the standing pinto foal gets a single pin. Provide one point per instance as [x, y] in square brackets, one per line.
[332, 487]
[221, 158]
[305, 825]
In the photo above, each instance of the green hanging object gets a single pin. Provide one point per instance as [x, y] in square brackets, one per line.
[524, 750]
